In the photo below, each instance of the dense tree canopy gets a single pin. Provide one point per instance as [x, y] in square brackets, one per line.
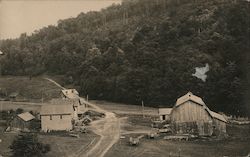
[145, 50]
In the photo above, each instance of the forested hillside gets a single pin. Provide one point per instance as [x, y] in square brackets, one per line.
[145, 50]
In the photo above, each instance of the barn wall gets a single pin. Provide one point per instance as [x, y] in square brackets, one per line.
[191, 118]
[189, 112]
[56, 123]
[220, 127]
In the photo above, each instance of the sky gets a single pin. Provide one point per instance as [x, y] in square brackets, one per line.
[20, 16]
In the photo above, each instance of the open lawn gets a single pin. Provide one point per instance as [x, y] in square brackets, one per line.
[26, 106]
[238, 144]
[61, 145]
[64, 146]
[33, 90]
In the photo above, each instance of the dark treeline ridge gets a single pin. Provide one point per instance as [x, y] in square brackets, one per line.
[145, 50]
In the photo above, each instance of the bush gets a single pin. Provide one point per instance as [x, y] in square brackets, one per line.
[27, 145]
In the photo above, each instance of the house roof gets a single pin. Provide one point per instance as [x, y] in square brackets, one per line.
[26, 116]
[70, 93]
[164, 111]
[187, 97]
[56, 109]
[218, 116]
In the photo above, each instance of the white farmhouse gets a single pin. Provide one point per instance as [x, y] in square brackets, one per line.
[57, 117]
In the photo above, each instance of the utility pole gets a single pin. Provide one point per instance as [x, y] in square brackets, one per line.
[142, 104]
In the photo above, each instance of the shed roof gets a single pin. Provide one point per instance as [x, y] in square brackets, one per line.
[164, 111]
[26, 116]
[187, 97]
[56, 109]
[218, 116]
[70, 93]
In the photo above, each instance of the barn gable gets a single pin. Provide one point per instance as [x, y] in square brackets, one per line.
[189, 97]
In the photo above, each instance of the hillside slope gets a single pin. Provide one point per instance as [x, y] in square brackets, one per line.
[145, 50]
[35, 89]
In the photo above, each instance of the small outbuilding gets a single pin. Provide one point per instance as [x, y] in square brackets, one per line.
[191, 115]
[22, 121]
[13, 96]
[164, 113]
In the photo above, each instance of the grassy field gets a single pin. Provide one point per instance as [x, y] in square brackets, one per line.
[237, 145]
[61, 146]
[33, 89]
[26, 106]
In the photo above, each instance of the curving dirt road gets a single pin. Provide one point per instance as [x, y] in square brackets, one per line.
[107, 128]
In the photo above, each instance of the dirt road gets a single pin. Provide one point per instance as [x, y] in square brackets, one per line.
[107, 128]
[57, 84]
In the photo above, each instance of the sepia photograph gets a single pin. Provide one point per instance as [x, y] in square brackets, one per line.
[124, 78]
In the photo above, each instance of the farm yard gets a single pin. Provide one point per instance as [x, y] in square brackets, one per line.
[238, 144]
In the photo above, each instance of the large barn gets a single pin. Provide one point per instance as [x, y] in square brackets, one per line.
[191, 115]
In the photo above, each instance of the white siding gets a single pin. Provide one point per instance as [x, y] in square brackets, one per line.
[56, 123]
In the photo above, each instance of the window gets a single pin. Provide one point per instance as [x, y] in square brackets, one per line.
[163, 117]
[50, 117]
[60, 116]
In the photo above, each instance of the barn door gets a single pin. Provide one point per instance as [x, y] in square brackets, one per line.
[200, 125]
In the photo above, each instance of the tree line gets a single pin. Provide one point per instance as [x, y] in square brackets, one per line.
[145, 50]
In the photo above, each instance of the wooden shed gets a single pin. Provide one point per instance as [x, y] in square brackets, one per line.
[22, 121]
[164, 113]
[191, 115]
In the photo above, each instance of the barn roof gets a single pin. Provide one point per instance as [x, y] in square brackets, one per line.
[70, 93]
[26, 116]
[187, 97]
[165, 111]
[56, 109]
[218, 116]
